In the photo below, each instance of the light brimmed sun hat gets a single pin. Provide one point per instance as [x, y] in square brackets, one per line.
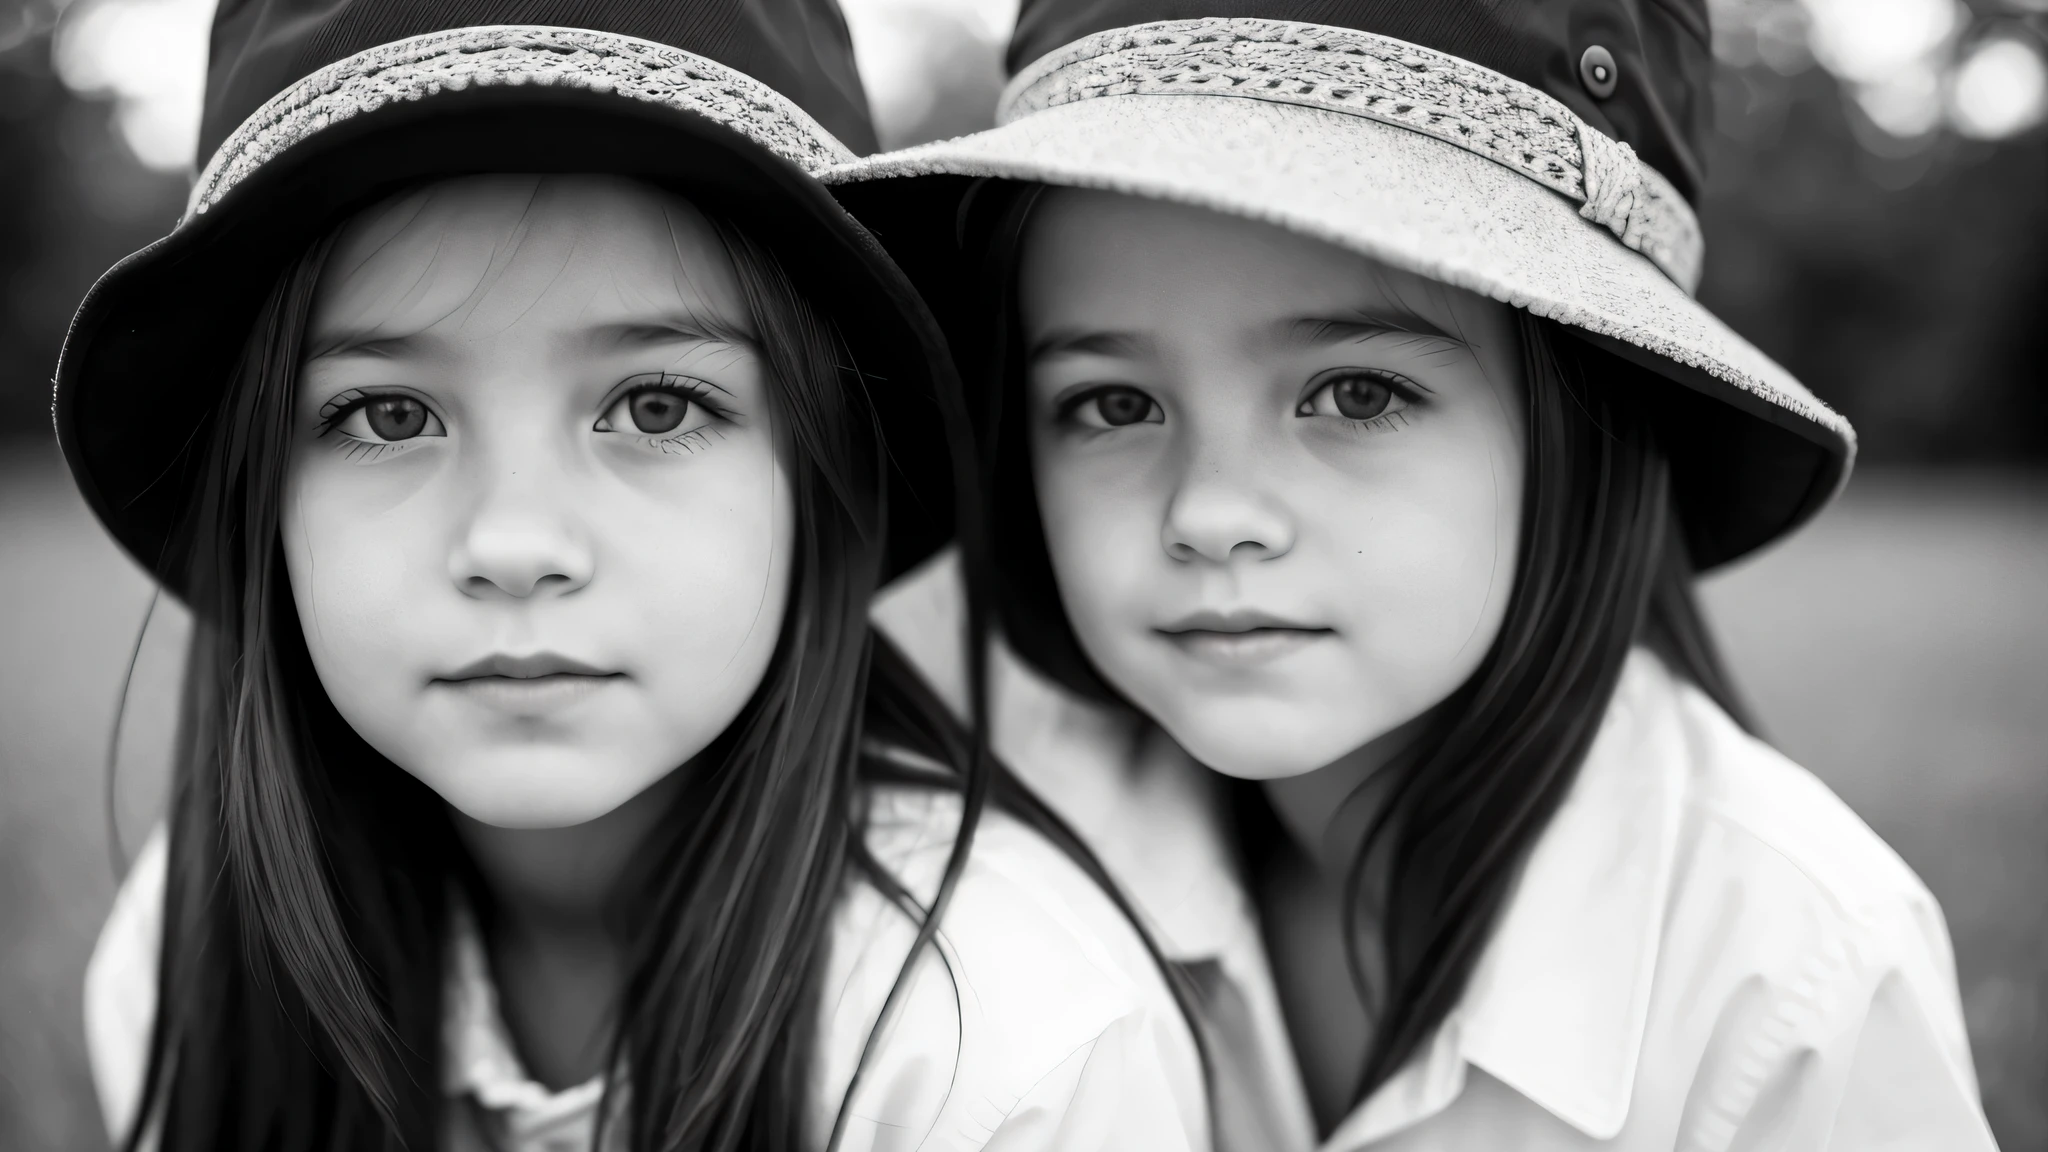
[317, 108]
[1497, 147]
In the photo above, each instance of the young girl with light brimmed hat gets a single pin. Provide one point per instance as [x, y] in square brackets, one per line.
[527, 430]
[1347, 418]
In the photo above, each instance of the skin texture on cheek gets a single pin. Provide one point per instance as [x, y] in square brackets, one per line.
[571, 582]
[1274, 581]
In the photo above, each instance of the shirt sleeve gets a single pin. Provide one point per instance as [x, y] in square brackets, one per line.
[1036, 1022]
[1906, 1088]
[1909, 1081]
[1864, 1052]
[120, 989]
[1113, 1093]
[1107, 1097]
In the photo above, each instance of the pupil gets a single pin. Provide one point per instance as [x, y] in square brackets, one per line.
[1119, 408]
[1361, 397]
[397, 417]
[657, 411]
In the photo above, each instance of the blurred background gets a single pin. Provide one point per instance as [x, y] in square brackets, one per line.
[1877, 219]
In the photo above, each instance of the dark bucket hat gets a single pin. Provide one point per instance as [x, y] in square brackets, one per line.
[1544, 153]
[316, 108]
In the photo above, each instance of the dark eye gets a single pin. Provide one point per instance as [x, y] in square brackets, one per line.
[1115, 407]
[1360, 397]
[396, 417]
[657, 410]
[1354, 394]
[668, 405]
[389, 420]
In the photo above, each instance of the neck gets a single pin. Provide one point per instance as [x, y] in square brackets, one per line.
[563, 882]
[1328, 812]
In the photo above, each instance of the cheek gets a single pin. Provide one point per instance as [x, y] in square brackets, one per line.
[697, 570]
[360, 554]
[1428, 554]
[1101, 517]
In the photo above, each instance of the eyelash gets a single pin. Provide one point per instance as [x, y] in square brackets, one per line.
[337, 409]
[695, 391]
[356, 450]
[685, 443]
[1399, 387]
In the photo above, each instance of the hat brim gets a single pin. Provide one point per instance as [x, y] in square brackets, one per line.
[1754, 453]
[155, 341]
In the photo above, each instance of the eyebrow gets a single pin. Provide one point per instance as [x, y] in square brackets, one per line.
[1362, 324]
[1086, 342]
[670, 328]
[360, 342]
[676, 327]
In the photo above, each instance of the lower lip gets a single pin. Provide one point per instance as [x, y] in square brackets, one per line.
[1245, 649]
[530, 695]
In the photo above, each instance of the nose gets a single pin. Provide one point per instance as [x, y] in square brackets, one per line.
[1219, 514]
[520, 543]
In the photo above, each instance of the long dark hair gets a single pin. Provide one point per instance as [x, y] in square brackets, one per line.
[310, 879]
[1603, 567]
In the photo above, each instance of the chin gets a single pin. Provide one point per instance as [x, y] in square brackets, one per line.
[1261, 741]
[545, 791]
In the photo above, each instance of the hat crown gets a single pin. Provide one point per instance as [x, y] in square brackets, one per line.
[800, 48]
[1656, 100]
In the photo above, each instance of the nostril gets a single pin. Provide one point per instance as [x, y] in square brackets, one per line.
[519, 585]
[520, 558]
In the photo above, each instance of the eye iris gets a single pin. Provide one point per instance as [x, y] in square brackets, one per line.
[658, 411]
[396, 417]
[1122, 407]
[1361, 397]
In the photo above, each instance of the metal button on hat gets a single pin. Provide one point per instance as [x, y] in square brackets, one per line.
[1597, 71]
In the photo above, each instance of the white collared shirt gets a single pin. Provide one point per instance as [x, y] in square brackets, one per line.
[1705, 950]
[1040, 1023]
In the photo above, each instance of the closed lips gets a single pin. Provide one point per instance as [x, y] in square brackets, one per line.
[1236, 622]
[1241, 638]
[528, 684]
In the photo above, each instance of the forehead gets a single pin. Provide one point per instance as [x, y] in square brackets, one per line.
[480, 254]
[1115, 261]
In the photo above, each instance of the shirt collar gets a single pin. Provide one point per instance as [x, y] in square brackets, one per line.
[1558, 1003]
[477, 1055]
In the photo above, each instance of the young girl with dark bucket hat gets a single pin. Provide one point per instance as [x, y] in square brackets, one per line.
[527, 430]
[1348, 417]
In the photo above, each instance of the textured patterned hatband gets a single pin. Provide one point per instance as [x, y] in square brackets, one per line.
[1390, 81]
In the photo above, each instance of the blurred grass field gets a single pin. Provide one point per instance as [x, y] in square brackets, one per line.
[1898, 647]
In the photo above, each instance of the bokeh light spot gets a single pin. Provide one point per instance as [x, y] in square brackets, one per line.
[2000, 89]
[150, 57]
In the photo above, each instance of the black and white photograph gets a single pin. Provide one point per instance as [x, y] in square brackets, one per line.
[1023, 575]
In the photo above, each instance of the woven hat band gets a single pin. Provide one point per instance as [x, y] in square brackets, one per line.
[1393, 82]
[506, 56]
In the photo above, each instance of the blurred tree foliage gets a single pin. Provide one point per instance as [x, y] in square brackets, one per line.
[72, 201]
[1905, 283]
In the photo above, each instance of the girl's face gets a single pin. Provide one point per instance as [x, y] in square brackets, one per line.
[1281, 484]
[538, 517]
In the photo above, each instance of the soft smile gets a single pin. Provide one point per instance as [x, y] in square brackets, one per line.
[1240, 639]
[527, 685]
